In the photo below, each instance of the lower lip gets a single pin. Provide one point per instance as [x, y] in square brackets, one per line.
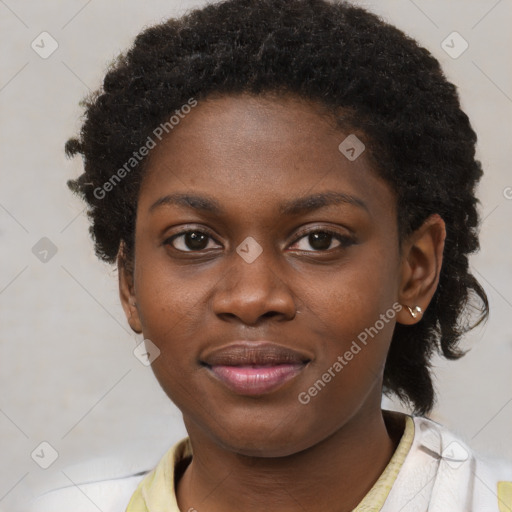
[249, 380]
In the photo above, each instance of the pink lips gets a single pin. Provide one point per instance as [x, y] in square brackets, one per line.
[254, 368]
[248, 380]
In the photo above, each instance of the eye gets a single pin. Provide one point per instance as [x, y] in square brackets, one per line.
[322, 240]
[190, 241]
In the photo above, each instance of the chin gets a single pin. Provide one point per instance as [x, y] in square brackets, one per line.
[253, 438]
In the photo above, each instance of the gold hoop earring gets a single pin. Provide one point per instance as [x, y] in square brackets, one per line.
[414, 312]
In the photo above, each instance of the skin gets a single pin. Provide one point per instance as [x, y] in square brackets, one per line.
[251, 155]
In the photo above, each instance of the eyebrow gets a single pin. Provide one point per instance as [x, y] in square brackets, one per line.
[297, 206]
[200, 203]
[316, 201]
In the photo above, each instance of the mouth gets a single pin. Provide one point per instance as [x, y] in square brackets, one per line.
[249, 368]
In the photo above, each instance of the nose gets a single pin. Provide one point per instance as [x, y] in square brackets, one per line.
[251, 292]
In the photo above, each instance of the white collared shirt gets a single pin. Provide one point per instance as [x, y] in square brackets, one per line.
[440, 474]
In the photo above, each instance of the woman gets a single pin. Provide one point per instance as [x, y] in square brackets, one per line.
[287, 188]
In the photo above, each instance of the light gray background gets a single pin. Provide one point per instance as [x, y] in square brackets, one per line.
[68, 375]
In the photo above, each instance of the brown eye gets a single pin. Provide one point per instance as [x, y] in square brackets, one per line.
[189, 241]
[321, 240]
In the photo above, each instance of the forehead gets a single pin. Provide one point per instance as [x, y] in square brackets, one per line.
[253, 147]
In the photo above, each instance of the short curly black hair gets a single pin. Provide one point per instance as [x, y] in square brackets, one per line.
[391, 90]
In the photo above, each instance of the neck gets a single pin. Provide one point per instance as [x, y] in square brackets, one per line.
[334, 474]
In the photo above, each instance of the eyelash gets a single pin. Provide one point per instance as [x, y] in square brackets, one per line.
[345, 241]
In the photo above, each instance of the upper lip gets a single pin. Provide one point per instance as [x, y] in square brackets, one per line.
[244, 353]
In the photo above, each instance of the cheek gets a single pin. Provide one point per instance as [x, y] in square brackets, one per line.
[175, 315]
[169, 308]
[351, 299]
[353, 342]
[351, 315]
[167, 297]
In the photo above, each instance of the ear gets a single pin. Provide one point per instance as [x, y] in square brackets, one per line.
[422, 257]
[127, 290]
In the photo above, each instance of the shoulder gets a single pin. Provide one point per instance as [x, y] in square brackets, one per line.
[483, 483]
[100, 483]
[106, 483]
[110, 495]
[454, 452]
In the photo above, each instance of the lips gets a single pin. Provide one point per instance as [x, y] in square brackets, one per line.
[254, 368]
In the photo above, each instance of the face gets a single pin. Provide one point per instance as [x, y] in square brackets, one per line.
[262, 257]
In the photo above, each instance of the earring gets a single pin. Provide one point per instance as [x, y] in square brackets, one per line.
[414, 312]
